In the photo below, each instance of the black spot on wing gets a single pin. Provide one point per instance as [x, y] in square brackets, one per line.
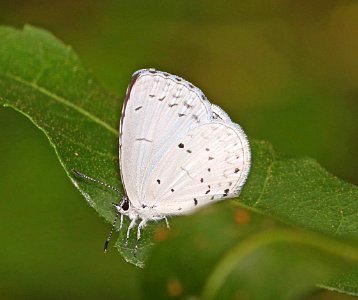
[144, 139]
[173, 104]
[181, 115]
[181, 145]
[139, 107]
[195, 201]
[236, 170]
[187, 105]
[158, 180]
[195, 117]
[210, 158]
[161, 99]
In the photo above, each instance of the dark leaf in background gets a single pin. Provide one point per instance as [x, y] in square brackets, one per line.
[228, 252]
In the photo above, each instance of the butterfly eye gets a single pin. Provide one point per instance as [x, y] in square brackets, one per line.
[125, 205]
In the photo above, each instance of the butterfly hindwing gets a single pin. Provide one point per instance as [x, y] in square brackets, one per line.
[206, 165]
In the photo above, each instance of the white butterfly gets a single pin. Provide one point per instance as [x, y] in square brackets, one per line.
[178, 152]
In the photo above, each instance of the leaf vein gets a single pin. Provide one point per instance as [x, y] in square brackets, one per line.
[266, 183]
[63, 101]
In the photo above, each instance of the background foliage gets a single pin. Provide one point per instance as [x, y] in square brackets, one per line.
[286, 71]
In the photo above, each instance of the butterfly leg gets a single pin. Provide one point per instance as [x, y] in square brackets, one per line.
[121, 223]
[166, 221]
[131, 225]
[141, 225]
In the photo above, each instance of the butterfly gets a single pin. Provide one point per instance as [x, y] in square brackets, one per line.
[177, 151]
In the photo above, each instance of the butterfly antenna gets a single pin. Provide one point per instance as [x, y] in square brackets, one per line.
[79, 174]
[111, 232]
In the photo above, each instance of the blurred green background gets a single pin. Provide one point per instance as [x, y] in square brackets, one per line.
[287, 71]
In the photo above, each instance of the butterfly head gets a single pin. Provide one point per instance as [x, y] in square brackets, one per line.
[124, 206]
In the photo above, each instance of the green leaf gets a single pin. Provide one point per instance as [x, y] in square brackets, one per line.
[226, 252]
[300, 192]
[44, 79]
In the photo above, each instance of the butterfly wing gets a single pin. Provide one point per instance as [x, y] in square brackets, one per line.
[208, 164]
[158, 108]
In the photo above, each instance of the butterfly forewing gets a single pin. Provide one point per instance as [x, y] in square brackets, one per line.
[158, 109]
[208, 164]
